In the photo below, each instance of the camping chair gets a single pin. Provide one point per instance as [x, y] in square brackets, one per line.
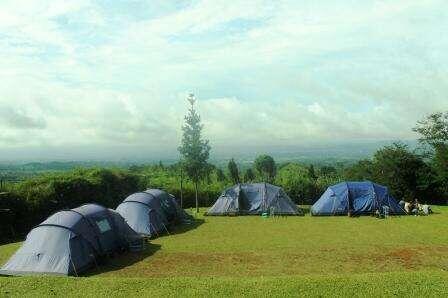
[426, 209]
[386, 211]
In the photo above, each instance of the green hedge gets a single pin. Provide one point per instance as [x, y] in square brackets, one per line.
[32, 201]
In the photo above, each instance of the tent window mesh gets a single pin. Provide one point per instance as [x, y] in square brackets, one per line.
[103, 225]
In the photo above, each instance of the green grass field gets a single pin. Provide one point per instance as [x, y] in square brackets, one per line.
[253, 256]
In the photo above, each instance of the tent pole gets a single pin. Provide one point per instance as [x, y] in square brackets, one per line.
[334, 203]
[237, 199]
[348, 201]
[166, 229]
[264, 199]
[377, 205]
[94, 260]
[154, 228]
[74, 267]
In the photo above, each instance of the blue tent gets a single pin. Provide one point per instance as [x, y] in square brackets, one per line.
[71, 241]
[254, 199]
[356, 198]
[151, 212]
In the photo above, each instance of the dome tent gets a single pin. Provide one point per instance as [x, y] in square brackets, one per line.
[254, 199]
[71, 241]
[151, 211]
[355, 198]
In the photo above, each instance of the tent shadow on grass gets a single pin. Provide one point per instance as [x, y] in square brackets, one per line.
[186, 227]
[128, 259]
[124, 260]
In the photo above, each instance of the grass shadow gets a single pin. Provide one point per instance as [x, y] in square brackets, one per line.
[186, 227]
[18, 238]
[123, 260]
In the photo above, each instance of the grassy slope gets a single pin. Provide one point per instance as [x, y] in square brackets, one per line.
[316, 255]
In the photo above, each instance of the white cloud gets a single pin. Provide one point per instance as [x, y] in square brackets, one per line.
[266, 72]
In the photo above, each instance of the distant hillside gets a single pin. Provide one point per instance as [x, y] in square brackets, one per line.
[333, 154]
[329, 154]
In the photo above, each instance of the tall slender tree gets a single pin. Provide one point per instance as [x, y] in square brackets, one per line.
[194, 150]
[234, 172]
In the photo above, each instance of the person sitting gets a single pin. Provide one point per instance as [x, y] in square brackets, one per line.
[416, 207]
[408, 207]
[415, 210]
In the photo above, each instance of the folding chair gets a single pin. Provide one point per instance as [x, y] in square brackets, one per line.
[386, 211]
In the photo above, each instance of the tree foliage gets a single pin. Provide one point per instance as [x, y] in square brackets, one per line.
[397, 167]
[266, 167]
[194, 150]
[249, 175]
[296, 182]
[233, 171]
[434, 132]
[361, 171]
[328, 171]
[312, 172]
[433, 129]
[403, 171]
[220, 177]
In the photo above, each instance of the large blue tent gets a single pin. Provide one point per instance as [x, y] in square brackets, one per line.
[355, 198]
[151, 212]
[254, 199]
[71, 241]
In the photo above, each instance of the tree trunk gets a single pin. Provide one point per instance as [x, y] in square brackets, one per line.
[197, 201]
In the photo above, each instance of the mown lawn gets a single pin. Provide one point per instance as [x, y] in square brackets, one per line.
[327, 256]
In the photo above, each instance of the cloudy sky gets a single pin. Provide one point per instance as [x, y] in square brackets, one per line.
[104, 79]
